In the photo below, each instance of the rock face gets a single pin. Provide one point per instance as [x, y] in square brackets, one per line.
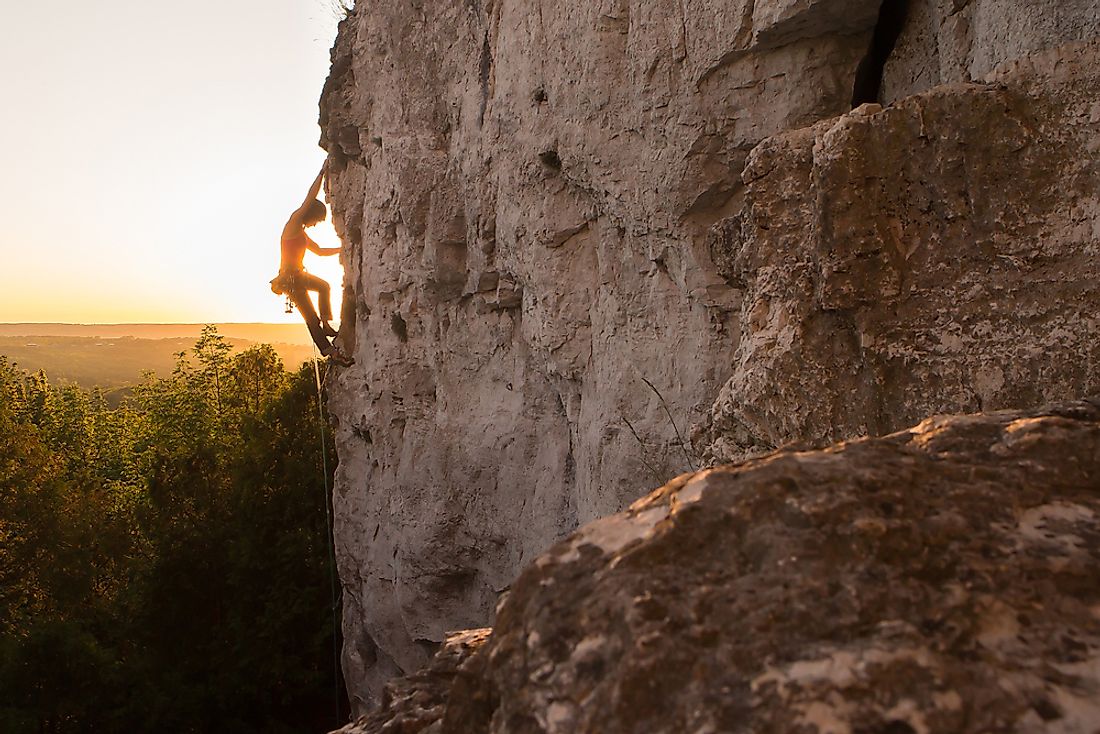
[964, 40]
[943, 252]
[941, 579]
[584, 254]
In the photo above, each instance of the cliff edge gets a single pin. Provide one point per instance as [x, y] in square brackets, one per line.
[591, 246]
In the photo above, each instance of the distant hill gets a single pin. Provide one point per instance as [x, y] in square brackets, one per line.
[270, 333]
[260, 333]
[113, 363]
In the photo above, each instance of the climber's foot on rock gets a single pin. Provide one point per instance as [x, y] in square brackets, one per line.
[338, 357]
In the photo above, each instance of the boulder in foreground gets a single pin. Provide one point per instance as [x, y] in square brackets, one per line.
[941, 579]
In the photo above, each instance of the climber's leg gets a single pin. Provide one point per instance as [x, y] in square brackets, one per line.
[301, 299]
[324, 300]
[324, 294]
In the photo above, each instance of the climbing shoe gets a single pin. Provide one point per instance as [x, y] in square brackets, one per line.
[338, 357]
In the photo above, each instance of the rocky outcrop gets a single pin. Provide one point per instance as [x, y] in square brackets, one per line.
[417, 703]
[941, 253]
[570, 227]
[938, 580]
[524, 190]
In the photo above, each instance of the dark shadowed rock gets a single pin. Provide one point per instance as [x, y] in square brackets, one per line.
[941, 579]
[417, 703]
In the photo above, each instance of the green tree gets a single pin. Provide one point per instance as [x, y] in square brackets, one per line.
[30, 496]
[165, 563]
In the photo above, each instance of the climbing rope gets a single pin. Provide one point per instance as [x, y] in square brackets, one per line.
[331, 539]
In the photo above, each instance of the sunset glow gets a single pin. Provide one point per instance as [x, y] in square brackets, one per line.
[149, 169]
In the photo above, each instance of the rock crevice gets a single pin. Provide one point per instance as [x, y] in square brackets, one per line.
[867, 88]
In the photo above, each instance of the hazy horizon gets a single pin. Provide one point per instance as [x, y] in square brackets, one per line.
[144, 323]
[255, 331]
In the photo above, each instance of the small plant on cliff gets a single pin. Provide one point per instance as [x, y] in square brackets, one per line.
[661, 464]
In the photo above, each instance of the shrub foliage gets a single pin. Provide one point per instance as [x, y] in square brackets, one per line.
[164, 564]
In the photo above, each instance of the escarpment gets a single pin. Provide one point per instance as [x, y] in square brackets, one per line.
[590, 246]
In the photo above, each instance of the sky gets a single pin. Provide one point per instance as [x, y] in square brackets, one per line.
[151, 152]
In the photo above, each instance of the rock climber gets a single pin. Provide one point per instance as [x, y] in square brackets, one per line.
[296, 283]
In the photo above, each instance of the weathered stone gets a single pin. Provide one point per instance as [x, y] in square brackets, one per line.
[416, 704]
[578, 153]
[940, 254]
[557, 257]
[938, 580]
[963, 40]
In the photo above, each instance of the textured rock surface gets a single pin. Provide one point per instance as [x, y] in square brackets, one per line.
[942, 579]
[941, 254]
[417, 703]
[545, 213]
[525, 190]
[963, 40]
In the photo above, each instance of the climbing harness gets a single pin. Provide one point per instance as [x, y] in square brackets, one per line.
[281, 285]
[331, 539]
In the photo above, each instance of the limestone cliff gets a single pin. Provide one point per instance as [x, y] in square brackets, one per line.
[592, 245]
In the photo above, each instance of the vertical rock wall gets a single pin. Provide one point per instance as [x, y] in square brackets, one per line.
[554, 263]
[964, 40]
[940, 255]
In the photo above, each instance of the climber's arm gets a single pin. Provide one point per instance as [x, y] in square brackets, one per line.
[314, 190]
[318, 250]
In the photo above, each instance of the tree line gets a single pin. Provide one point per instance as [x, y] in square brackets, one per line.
[164, 564]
